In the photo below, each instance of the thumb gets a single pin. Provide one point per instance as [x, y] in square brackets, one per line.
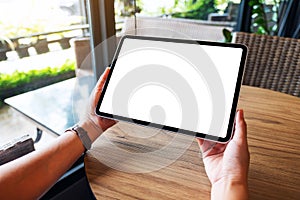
[240, 133]
[99, 86]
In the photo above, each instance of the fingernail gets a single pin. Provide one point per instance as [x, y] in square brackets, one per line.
[241, 113]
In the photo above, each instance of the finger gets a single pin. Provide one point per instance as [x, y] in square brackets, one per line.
[240, 133]
[102, 79]
[205, 145]
[200, 141]
[99, 86]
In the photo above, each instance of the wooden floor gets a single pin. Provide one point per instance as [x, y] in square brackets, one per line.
[14, 125]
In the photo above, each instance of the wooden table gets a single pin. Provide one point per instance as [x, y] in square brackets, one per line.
[273, 120]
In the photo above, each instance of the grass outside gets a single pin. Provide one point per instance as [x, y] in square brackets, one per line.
[21, 79]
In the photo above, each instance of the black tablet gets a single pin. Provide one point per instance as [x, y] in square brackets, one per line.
[185, 86]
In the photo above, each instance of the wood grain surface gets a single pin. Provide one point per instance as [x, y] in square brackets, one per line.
[273, 135]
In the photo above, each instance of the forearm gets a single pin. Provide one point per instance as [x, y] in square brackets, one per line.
[228, 189]
[33, 174]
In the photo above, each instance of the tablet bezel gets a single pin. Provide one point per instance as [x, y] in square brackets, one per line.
[169, 128]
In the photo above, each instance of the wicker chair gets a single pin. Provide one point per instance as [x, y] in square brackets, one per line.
[272, 62]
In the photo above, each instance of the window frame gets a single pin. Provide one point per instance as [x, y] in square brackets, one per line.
[101, 17]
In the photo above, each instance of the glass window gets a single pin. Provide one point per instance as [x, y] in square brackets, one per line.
[36, 39]
[209, 16]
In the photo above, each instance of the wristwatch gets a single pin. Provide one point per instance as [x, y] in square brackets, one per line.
[83, 136]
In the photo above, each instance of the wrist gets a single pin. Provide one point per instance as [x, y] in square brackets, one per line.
[92, 130]
[227, 188]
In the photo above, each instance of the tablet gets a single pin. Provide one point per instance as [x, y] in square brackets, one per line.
[185, 86]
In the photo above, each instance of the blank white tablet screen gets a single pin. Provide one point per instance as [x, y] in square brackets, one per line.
[183, 85]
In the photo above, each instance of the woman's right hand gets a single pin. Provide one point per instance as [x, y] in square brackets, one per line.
[227, 165]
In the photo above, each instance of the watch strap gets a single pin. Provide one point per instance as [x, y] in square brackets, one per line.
[83, 136]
